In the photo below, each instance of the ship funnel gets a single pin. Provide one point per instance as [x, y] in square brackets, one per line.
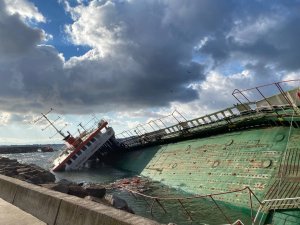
[71, 140]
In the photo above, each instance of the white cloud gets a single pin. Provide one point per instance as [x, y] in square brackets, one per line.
[292, 76]
[215, 93]
[4, 118]
[250, 31]
[97, 25]
[27, 10]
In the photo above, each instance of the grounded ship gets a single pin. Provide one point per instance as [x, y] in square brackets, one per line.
[93, 141]
[246, 156]
[82, 148]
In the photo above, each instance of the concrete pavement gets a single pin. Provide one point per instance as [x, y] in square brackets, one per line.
[12, 215]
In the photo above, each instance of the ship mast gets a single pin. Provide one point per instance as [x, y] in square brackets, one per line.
[52, 124]
[82, 127]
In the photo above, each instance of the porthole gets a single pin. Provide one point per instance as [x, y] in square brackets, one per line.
[230, 142]
[266, 163]
[174, 165]
[279, 137]
[216, 163]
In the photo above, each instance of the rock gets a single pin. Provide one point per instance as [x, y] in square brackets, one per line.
[33, 179]
[57, 187]
[3, 159]
[77, 191]
[65, 182]
[9, 173]
[30, 173]
[47, 177]
[94, 199]
[40, 178]
[118, 203]
[23, 169]
[92, 191]
[95, 190]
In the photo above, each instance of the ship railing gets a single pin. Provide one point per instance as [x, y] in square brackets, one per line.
[279, 100]
[190, 126]
[141, 134]
[154, 200]
[161, 130]
[138, 136]
[275, 204]
[176, 124]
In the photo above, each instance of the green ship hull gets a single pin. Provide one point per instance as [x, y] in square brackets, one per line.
[226, 162]
[259, 150]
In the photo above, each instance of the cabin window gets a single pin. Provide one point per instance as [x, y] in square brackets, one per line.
[69, 162]
[83, 148]
[79, 153]
[89, 144]
[74, 157]
[93, 140]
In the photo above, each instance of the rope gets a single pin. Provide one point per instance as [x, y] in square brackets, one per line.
[185, 198]
[156, 199]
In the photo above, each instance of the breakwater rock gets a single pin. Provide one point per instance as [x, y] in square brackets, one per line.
[92, 192]
[29, 173]
[39, 176]
[79, 190]
[14, 149]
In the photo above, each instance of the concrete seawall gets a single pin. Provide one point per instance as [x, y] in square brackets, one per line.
[55, 208]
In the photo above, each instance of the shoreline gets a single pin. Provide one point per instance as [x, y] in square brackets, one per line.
[36, 175]
[55, 208]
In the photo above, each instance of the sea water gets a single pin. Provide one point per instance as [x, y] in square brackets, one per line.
[186, 212]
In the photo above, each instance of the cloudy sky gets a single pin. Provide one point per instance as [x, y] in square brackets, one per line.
[130, 61]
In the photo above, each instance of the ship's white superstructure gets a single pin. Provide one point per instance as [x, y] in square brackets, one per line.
[81, 148]
[79, 151]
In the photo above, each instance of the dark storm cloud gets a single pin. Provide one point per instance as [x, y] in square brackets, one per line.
[113, 84]
[142, 52]
[267, 32]
[152, 71]
[16, 37]
[148, 50]
[28, 72]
